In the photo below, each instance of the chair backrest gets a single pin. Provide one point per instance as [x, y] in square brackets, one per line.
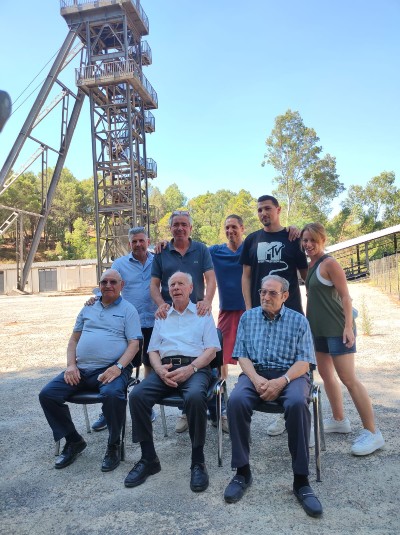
[218, 360]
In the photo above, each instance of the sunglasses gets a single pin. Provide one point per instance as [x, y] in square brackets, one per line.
[180, 212]
[113, 282]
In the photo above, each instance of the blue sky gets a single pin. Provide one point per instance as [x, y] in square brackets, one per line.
[223, 71]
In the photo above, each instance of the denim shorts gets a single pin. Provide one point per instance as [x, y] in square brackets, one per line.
[333, 345]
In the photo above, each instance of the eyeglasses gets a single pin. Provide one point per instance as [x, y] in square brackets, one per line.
[271, 293]
[113, 282]
[180, 212]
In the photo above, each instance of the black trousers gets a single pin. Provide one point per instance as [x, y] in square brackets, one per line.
[295, 398]
[54, 395]
[152, 390]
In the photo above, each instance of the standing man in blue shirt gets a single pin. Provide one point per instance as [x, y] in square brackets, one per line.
[135, 269]
[275, 348]
[228, 272]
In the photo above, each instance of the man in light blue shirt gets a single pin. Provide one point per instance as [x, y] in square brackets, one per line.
[275, 348]
[103, 343]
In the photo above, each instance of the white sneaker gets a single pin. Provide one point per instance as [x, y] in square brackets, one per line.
[367, 442]
[337, 426]
[277, 427]
[181, 424]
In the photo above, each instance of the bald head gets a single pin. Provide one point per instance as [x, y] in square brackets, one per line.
[111, 284]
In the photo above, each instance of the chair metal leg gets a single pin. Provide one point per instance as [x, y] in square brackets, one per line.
[85, 412]
[164, 421]
[218, 394]
[123, 439]
[321, 421]
[317, 430]
[57, 448]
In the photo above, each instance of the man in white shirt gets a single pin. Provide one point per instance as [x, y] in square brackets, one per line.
[181, 349]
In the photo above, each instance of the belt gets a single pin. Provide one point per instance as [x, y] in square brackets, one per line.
[179, 360]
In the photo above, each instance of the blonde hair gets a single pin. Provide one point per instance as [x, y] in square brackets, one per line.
[317, 231]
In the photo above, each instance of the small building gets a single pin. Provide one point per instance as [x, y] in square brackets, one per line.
[59, 276]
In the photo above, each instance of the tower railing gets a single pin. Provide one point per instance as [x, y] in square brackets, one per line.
[114, 70]
[100, 3]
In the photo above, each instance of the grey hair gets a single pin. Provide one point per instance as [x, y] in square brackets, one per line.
[284, 283]
[109, 270]
[178, 213]
[187, 275]
[136, 230]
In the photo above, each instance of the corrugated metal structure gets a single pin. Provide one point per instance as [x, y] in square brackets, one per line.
[356, 254]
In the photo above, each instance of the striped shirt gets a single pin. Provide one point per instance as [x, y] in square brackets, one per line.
[274, 344]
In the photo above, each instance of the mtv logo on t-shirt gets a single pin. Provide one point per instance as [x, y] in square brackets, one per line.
[269, 251]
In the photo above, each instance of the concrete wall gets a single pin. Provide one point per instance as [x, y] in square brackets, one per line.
[70, 275]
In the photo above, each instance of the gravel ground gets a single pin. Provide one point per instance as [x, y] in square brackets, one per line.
[359, 495]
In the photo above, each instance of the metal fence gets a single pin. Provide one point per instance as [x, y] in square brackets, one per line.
[385, 273]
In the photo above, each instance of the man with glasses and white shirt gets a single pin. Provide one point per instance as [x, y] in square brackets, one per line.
[189, 256]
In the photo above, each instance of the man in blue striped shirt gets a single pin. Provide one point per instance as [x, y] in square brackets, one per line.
[274, 347]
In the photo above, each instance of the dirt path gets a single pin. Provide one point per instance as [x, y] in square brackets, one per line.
[359, 495]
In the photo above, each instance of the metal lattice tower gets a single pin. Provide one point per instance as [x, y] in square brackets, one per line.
[110, 73]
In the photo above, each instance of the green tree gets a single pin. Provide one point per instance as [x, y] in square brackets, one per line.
[305, 178]
[72, 199]
[374, 204]
[80, 243]
[174, 198]
[208, 212]
[25, 194]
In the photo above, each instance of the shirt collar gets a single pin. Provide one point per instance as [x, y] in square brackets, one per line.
[133, 259]
[116, 302]
[171, 244]
[191, 308]
[277, 317]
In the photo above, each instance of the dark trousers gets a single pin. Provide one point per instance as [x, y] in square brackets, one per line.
[54, 395]
[152, 390]
[295, 399]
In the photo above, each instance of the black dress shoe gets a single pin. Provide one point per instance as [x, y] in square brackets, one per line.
[112, 458]
[199, 478]
[310, 503]
[236, 488]
[69, 453]
[141, 471]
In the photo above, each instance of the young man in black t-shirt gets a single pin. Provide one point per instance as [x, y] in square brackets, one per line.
[270, 251]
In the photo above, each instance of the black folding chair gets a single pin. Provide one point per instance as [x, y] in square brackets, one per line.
[90, 397]
[216, 387]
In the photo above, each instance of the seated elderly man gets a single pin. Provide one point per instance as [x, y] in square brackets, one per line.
[275, 349]
[181, 349]
[100, 350]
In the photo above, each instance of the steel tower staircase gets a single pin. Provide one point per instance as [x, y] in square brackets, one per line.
[109, 35]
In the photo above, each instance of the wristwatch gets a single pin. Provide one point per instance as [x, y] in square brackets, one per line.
[119, 365]
[194, 368]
